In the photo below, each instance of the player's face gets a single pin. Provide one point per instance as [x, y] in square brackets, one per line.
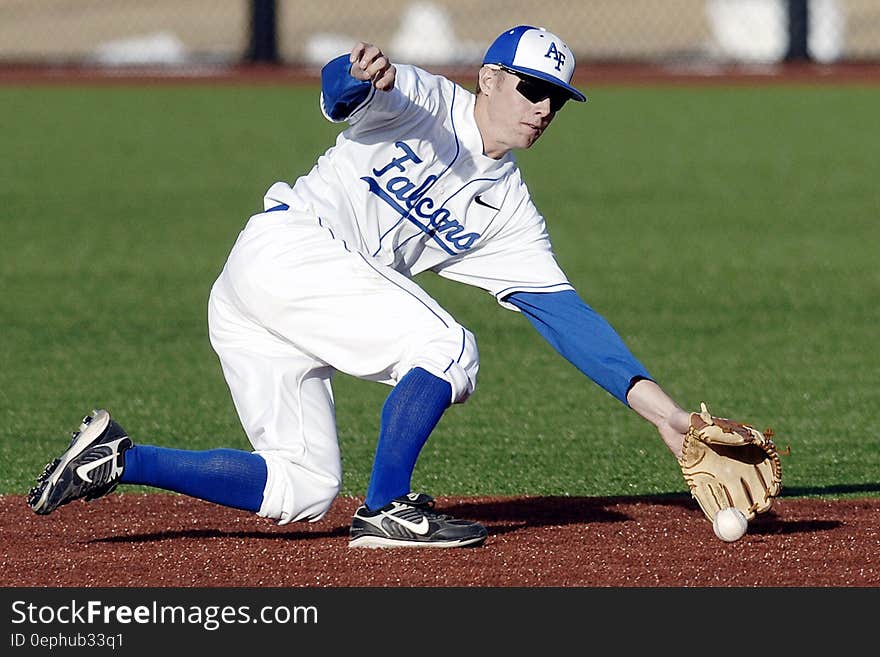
[520, 108]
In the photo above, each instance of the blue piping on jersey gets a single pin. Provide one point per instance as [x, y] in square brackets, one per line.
[332, 235]
[460, 353]
[525, 288]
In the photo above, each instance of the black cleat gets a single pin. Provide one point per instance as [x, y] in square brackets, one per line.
[410, 521]
[91, 467]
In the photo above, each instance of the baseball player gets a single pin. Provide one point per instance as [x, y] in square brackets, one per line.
[422, 178]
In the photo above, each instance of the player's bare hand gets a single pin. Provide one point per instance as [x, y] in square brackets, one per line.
[368, 62]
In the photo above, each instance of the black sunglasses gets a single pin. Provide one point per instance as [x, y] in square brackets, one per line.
[535, 90]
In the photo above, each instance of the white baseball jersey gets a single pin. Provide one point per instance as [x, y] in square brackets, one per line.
[323, 285]
[408, 185]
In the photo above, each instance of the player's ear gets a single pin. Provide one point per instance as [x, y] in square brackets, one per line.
[487, 79]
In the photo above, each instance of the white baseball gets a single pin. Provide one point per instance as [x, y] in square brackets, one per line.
[730, 524]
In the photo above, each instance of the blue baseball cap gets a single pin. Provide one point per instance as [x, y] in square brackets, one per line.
[536, 52]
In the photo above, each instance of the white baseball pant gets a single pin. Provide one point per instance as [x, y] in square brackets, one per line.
[292, 306]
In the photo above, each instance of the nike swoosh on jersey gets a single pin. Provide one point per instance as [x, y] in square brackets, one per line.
[420, 527]
[479, 199]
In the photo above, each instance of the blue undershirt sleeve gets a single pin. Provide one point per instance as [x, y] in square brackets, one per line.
[583, 337]
[341, 94]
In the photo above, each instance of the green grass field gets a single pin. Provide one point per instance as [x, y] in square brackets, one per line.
[731, 235]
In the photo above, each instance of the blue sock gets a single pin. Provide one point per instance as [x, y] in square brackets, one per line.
[409, 415]
[229, 477]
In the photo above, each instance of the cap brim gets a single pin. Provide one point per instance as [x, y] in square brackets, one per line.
[541, 75]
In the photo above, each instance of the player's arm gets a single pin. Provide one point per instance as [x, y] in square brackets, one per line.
[586, 339]
[348, 81]
[583, 337]
[650, 401]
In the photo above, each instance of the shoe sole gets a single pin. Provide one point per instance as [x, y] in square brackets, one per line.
[84, 440]
[382, 542]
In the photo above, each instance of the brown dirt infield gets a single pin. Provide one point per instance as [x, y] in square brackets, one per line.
[163, 540]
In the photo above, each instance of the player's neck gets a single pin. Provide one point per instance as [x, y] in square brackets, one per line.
[491, 146]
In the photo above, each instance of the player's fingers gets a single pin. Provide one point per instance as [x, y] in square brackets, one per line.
[377, 65]
[360, 57]
[364, 58]
[357, 51]
[385, 80]
[368, 62]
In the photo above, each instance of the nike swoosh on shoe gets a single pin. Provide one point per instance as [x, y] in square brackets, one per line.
[85, 469]
[421, 527]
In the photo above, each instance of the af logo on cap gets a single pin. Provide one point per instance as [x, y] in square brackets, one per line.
[536, 52]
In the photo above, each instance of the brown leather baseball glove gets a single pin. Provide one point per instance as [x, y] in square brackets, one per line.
[727, 463]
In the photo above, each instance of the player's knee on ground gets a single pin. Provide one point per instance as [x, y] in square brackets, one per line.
[294, 492]
[450, 354]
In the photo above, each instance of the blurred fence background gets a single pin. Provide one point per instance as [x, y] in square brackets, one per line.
[440, 32]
